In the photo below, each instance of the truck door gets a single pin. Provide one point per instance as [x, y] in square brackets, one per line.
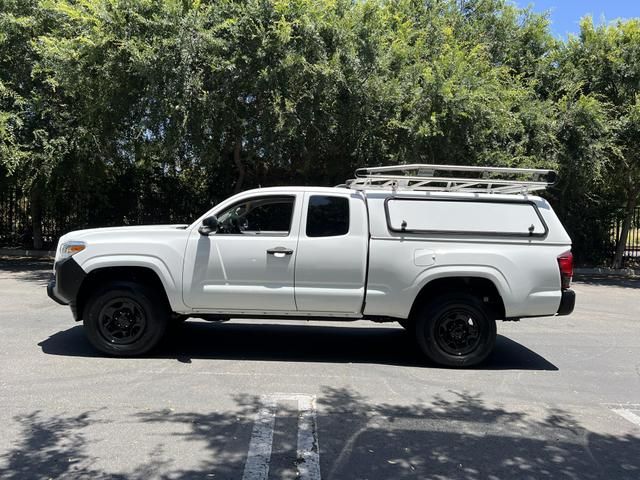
[248, 264]
[331, 260]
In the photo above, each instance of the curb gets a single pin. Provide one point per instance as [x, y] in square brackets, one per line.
[624, 272]
[12, 252]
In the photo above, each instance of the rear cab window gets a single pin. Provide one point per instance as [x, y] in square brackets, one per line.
[327, 216]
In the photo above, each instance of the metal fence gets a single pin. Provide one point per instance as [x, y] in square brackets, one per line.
[632, 251]
[58, 215]
[72, 210]
[15, 219]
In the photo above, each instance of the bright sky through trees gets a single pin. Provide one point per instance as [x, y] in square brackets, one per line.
[566, 14]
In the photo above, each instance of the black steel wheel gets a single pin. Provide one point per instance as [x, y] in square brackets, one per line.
[125, 318]
[122, 321]
[456, 330]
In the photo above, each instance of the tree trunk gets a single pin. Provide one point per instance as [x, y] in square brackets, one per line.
[238, 161]
[36, 217]
[624, 233]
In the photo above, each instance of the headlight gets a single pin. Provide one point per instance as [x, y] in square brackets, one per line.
[69, 249]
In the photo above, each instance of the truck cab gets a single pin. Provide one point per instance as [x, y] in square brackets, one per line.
[266, 238]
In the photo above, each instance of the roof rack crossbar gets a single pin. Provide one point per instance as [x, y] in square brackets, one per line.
[427, 177]
[450, 168]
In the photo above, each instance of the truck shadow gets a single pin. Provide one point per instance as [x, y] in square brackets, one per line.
[305, 343]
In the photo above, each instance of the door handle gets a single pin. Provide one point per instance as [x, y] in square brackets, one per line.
[280, 251]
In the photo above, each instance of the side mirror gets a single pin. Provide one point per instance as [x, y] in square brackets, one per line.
[209, 225]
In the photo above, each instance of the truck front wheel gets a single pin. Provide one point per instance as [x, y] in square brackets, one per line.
[125, 319]
[455, 330]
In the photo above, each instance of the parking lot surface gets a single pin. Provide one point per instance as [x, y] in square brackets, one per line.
[559, 397]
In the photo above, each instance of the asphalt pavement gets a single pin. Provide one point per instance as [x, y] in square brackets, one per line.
[559, 397]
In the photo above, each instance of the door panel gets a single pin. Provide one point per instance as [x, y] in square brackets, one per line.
[244, 270]
[331, 269]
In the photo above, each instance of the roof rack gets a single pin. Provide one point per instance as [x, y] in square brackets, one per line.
[452, 178]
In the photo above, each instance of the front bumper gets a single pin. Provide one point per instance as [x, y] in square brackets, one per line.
[567, 302]
[66, 281]
[52, 291]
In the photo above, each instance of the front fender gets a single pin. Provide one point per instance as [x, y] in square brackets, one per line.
[170, 280]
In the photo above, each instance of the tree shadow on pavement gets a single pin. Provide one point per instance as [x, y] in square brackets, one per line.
[49, 447]
[461, 437]
[455, 436]
[37, 270]
[306, 343]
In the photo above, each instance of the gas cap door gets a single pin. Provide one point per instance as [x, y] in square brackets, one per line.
[424, 258]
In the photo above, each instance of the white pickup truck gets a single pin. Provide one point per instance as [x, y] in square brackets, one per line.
[443, 250]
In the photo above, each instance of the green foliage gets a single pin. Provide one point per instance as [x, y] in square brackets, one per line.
[136, 100]
[597, 82]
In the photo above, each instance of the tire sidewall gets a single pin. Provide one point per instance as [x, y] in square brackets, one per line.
[426, 324]
[155, 311]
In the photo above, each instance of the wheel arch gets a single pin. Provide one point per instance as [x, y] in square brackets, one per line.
[102, 275]
[482, 286]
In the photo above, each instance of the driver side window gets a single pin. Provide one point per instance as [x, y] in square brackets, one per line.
[258, 216]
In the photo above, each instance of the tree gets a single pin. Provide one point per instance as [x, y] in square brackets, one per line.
[23, 140]
[38, 127]
[602, 62]
[155, 109]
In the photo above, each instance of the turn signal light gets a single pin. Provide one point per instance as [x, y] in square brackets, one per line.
[71, 248]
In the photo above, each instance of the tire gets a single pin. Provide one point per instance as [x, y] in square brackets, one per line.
[125, 319]
[455, 330]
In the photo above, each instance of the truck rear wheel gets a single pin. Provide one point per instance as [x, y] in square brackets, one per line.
[125, 319]
[456, 330]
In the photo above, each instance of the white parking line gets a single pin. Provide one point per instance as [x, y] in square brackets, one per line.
[628, 415]
[308, 460]
[259, 455]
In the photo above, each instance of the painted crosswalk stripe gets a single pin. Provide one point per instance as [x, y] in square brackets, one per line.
[260, 446]
[627, 414]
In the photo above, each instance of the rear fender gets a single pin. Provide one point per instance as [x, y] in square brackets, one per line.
[485, 271]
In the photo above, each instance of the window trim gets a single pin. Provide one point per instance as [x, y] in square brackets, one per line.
[466, 232]
[327, 195]
[252, 233]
